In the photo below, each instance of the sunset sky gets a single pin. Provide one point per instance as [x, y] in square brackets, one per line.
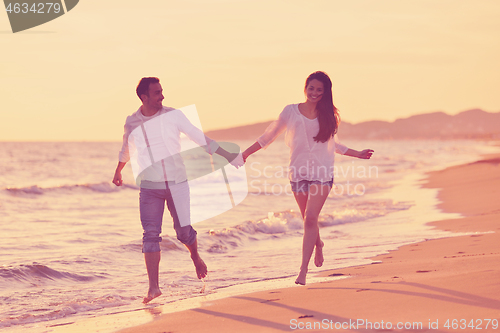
[242, 61]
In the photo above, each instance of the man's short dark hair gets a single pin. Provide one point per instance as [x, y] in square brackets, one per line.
[143, 86]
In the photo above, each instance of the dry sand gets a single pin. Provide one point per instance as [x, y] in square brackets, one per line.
[422, 286]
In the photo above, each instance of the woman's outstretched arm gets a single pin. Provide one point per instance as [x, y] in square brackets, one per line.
[364, 154]
[270, 134]
[250, 150]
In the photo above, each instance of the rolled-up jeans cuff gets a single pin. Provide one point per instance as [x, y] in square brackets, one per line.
[148, 247]
[186, 235]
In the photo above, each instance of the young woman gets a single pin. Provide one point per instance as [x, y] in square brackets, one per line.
[310, 133]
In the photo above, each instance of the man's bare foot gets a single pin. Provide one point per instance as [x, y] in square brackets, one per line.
[152, 294]
[318, 255]
[201, 268]
[301, 279]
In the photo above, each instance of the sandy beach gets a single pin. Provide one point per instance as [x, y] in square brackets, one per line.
[441, 285]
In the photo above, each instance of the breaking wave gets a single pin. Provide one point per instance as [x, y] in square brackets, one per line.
[104, 187]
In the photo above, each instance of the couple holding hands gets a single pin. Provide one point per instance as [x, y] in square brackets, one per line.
[310, 128]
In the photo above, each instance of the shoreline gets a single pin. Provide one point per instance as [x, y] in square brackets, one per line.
[432, 283]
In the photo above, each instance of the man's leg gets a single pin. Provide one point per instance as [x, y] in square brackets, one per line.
[152, 205]
[152, 260]
[199, 264]
[179, 207]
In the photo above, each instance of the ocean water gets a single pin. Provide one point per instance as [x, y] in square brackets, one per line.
[70, 245]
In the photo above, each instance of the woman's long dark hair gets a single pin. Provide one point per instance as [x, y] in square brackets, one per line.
[328, 116]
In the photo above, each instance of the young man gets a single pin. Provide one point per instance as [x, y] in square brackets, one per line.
[152, 138]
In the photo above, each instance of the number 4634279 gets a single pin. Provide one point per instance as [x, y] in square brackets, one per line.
[36, 8]
[477, 324]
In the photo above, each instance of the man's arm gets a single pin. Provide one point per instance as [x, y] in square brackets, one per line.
[117, 179]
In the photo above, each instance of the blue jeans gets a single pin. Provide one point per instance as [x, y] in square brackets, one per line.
[305, 185]
[152, 206]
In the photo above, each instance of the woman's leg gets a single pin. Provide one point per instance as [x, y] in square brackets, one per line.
[313, 206]
[301, 198]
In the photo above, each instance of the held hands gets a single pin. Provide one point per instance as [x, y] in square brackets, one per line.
[365, 154]
[236, 160]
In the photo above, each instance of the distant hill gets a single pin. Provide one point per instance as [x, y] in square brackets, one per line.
[471, 124]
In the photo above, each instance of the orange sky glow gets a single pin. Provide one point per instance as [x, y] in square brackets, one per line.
[242, 61]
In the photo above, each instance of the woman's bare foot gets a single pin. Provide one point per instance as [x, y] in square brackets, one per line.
[318, 255]
[201, 268]
[152, 294]
[301, 279]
